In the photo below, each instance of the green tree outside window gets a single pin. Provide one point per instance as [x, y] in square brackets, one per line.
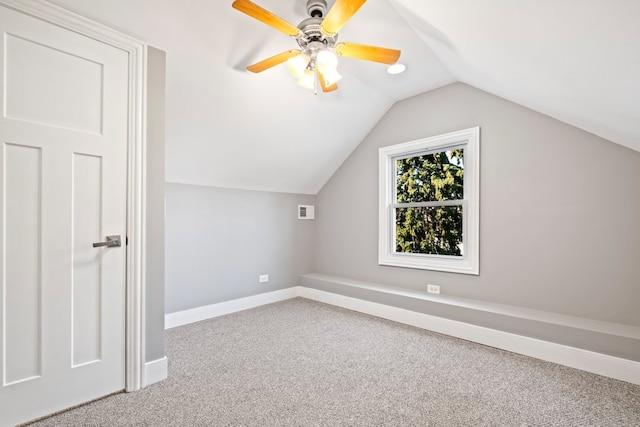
[429, 203]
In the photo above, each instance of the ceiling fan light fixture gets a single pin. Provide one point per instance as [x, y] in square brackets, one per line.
[327, 61]
[307, 79]
[331, 77]
[298, 64]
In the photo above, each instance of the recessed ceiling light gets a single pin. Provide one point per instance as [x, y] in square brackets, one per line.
[396, 69]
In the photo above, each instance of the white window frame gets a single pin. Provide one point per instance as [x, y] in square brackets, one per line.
[468, 263]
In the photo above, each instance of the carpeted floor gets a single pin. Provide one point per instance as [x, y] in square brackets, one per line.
[302, 363]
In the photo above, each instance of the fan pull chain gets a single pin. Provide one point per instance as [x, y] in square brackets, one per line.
[315, 81]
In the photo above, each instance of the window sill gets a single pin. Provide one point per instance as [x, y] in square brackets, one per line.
[446, 264]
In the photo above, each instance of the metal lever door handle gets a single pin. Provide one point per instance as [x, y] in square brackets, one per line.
[112, 242]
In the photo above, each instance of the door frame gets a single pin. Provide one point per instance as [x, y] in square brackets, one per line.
[136, 162]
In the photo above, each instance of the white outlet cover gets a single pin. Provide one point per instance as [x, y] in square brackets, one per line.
[433, 289]
[263, 278]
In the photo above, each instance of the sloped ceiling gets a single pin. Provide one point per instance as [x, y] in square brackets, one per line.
[575, 60]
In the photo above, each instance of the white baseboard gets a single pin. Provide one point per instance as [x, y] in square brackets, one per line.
[597, 363]
[185, 317]
[155, 371]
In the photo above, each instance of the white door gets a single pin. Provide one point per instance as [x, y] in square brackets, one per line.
[63, 160]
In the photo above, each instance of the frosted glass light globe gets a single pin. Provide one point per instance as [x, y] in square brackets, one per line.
[297, 65]
[326, 61]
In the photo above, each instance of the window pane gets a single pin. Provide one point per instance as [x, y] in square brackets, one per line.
[430, 177]
[429, 230]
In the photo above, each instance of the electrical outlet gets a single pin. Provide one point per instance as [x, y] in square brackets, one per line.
[433, 289]
[263, 278]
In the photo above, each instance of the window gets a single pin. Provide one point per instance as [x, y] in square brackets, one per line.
[429, 203]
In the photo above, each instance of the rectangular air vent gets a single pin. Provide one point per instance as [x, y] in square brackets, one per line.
[306, 211]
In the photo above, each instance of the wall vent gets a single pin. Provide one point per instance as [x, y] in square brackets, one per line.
[306, 212]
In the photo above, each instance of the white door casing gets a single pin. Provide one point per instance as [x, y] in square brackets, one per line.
[72, 161]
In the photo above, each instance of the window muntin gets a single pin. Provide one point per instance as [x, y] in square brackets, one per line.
[429, 203]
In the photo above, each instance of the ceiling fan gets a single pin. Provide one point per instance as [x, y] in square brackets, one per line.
[316, 60]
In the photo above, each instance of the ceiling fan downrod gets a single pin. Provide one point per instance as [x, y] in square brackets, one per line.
[317, 8]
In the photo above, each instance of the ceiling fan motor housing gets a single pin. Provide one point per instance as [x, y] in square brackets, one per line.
[310, 27]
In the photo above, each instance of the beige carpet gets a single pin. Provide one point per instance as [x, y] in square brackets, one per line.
[302, 363]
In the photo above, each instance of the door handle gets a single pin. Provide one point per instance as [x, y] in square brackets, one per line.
[112, 242]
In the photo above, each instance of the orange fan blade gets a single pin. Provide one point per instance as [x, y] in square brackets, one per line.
[265, 16]
[368, 53]
[339, 14]
[259, 67]
[323, 84]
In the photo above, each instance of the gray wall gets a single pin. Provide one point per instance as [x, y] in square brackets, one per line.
[559, 209]
[218, 241]
[154, 233]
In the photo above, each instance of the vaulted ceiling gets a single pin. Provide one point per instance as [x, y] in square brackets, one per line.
[575, 60]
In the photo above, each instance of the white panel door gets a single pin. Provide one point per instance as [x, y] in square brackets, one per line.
[63, 160]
